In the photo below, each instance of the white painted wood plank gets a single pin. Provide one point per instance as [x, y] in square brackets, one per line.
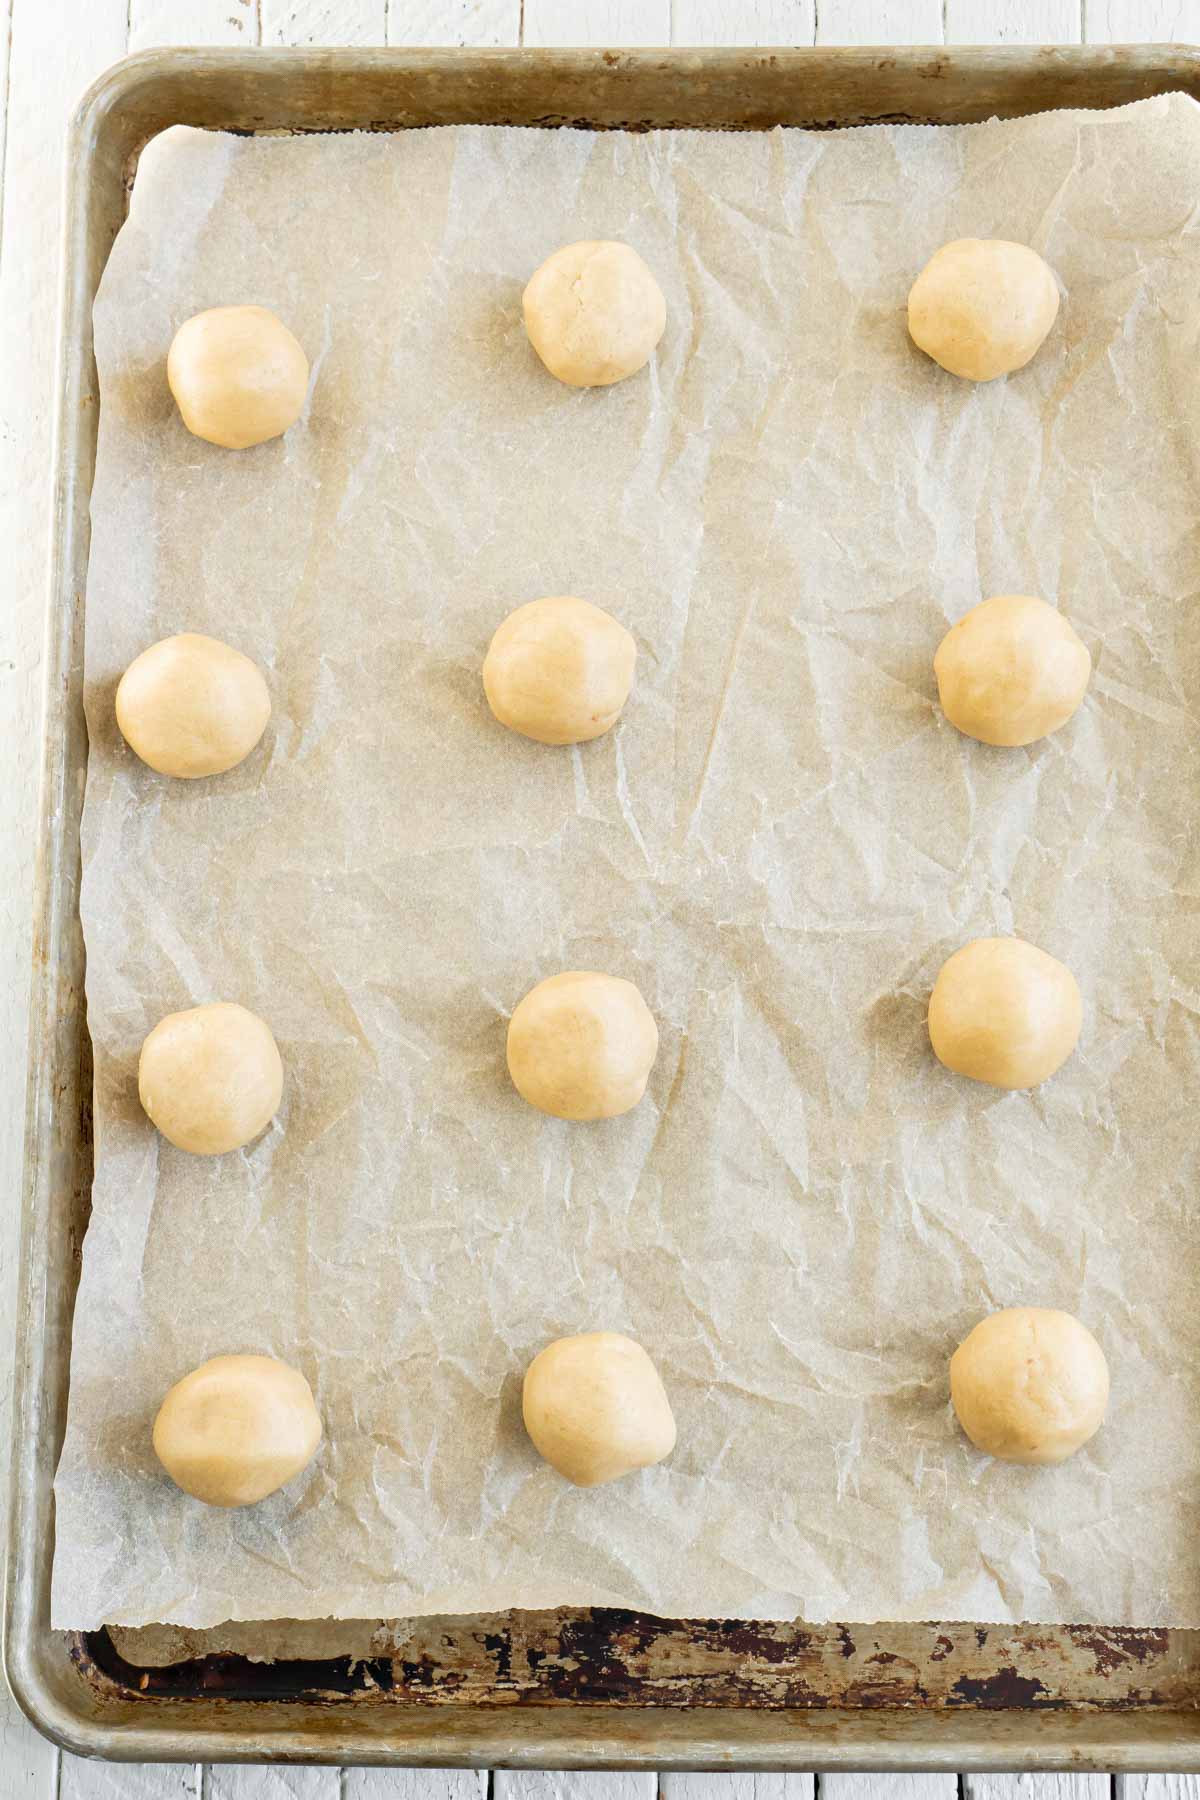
[537, 1784]
[1038, 1787]
[28, 1764]
[1141, 21]
[83, 1779]
[5, 45]
[415, 1784]
[236, 1781]
[879, 22]
[57, 47]
[479, 23]
[734, 22]
[155, 22]
[889, 1787]
[1002, 22]
[597, 22]
[324, 21]
[736, 1787]
[1157, 1787]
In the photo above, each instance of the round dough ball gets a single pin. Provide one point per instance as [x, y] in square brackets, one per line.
[210, 1078]
[1004, 1012]
[238, 376]
[982, 307]
[1029, 1385]
[1012, 671]
[191, 706]
[559, 670]
[581, 1046]
[595, 1407]
[237, 1428]
[594, 313]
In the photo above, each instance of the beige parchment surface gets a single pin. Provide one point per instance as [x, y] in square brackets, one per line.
[780, 844]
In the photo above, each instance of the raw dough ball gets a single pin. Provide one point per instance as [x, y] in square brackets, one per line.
[236, 1429]
[559, 670]
[1004, 1012]
[581, 1046]
[210, 1078]
[981, 307]
[1029, 1385]
[596, 1407]
[191, 706]
[238, 376]
[594, 313]
[1011, 671]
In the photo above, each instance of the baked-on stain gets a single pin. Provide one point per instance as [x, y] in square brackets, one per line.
[1004, 1689]
[608, 1656]
[1115, 1647]
[500, 1644]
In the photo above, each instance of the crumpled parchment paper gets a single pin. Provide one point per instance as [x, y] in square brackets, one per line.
[780, 844]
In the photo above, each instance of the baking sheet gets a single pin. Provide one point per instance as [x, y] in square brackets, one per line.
[780, 844]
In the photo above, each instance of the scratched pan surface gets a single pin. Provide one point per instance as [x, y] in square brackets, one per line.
[593, 1688]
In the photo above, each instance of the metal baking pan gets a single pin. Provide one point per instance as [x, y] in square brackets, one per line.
[583, 1689]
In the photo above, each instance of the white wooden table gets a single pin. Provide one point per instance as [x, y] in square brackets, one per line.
[50, 50]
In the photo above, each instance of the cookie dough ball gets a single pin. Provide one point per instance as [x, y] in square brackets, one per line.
[1029, 1385]
[210, 1078]
[191, 706]
[1004, 1012]
[559, 670]
[238, 376]
[981, 307]
[595, 1407]
[581, 1046]
[237, 1428]
[594, 313]
[1011, 671]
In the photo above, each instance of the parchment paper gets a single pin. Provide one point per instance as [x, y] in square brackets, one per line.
[780, 844]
